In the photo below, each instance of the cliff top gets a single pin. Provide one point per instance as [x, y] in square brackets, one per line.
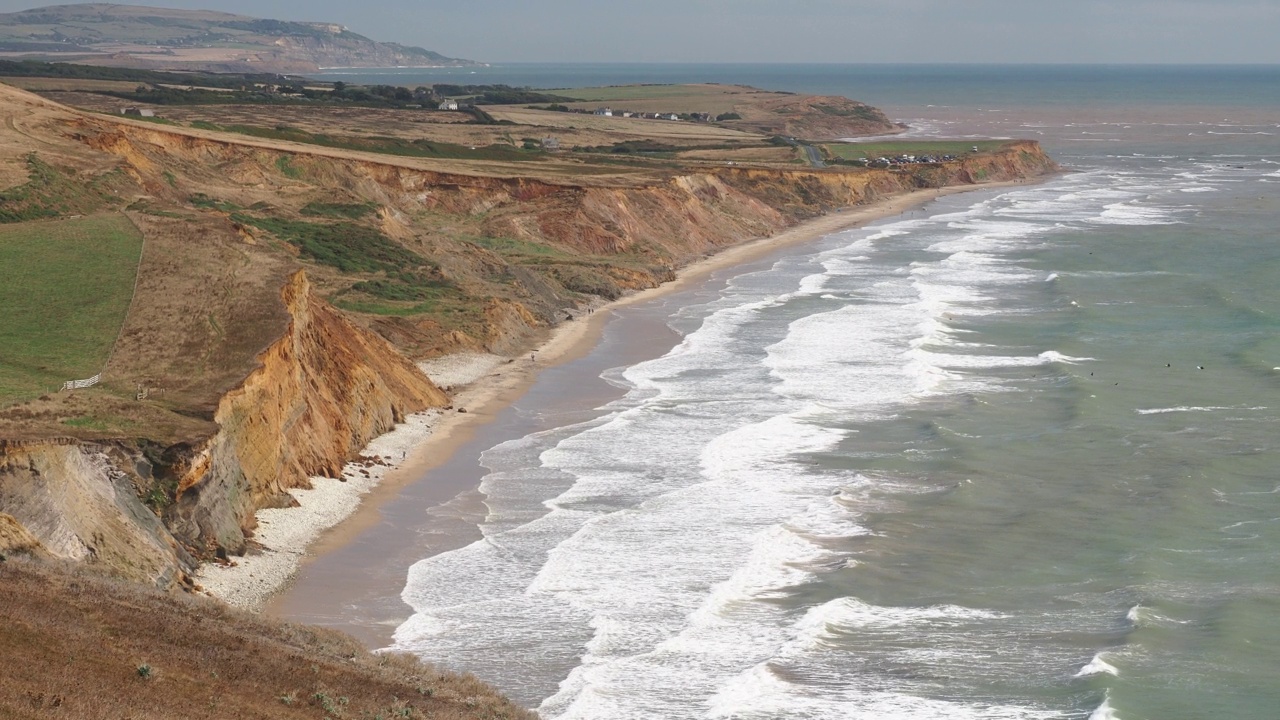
[469, 242]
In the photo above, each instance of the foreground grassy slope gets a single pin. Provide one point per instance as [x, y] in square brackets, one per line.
[66, 290]
[78, 647]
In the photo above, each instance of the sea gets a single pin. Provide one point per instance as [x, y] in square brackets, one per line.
[1012, 455]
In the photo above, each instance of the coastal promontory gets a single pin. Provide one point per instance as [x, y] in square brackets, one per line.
[227, 292]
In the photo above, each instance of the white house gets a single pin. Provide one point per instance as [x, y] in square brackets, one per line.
[449, 105]
[606, 112]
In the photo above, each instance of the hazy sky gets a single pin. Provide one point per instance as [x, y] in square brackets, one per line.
[855, 31]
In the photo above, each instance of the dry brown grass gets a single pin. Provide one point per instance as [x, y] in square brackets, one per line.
[76, 646]
[665, 130]
[760, 155]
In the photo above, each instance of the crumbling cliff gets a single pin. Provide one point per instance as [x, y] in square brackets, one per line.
[322, 391]
[261, 381]
[76, 501]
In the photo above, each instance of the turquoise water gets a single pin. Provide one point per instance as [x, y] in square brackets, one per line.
[1010, 456]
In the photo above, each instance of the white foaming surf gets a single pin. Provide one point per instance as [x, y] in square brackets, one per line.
[1097, 666]
[1104, 711]
[640, 556]
[1192, 408]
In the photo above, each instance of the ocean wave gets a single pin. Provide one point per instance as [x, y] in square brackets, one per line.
[1129, 214]
[648, 570]
[1097, 666]
[760, 693]
[828, 518]
[1104, 711]
[1191, 408]
[953, 360]
[845, 614]
[1053, 356]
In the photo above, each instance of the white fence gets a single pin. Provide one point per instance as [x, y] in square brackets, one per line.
[77, 384]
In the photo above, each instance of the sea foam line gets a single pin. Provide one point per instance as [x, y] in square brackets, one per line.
[1193, 408]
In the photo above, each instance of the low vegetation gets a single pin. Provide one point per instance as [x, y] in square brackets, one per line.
[93, 648]
[63, 311]
[205, 202]
[862, 112]
[346, 246]
[168, 88]
[497, 94]
[653, 147]
[385, 145]
[50, 192]
[404, 282]
[894, 148]
[35, 68]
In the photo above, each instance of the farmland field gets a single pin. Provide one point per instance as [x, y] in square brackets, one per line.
[66, 291]
[893, 148]
[657, 129]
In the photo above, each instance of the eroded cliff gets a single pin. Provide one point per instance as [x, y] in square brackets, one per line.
[258, 376]
[81, 501]
[322, 392]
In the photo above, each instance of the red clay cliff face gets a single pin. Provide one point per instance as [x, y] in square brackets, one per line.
[324, 390]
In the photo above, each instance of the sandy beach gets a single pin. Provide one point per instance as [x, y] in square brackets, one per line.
[336, 512]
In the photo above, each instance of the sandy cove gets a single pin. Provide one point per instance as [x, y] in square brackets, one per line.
[335, 511]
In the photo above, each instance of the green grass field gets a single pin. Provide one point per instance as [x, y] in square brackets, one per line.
[66, 290]
[893, 148]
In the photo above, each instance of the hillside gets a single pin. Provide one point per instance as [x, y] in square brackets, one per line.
[198, 40]
[285, 280]
[92, 648]
[747, 109]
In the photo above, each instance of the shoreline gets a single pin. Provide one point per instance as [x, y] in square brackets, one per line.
[335, 512]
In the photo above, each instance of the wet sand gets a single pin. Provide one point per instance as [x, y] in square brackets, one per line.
[352, 577]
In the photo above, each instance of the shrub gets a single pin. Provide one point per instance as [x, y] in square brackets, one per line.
[285, 165]
[346, 246]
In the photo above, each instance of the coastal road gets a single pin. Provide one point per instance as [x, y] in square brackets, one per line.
[810, 152]
[815, 158]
